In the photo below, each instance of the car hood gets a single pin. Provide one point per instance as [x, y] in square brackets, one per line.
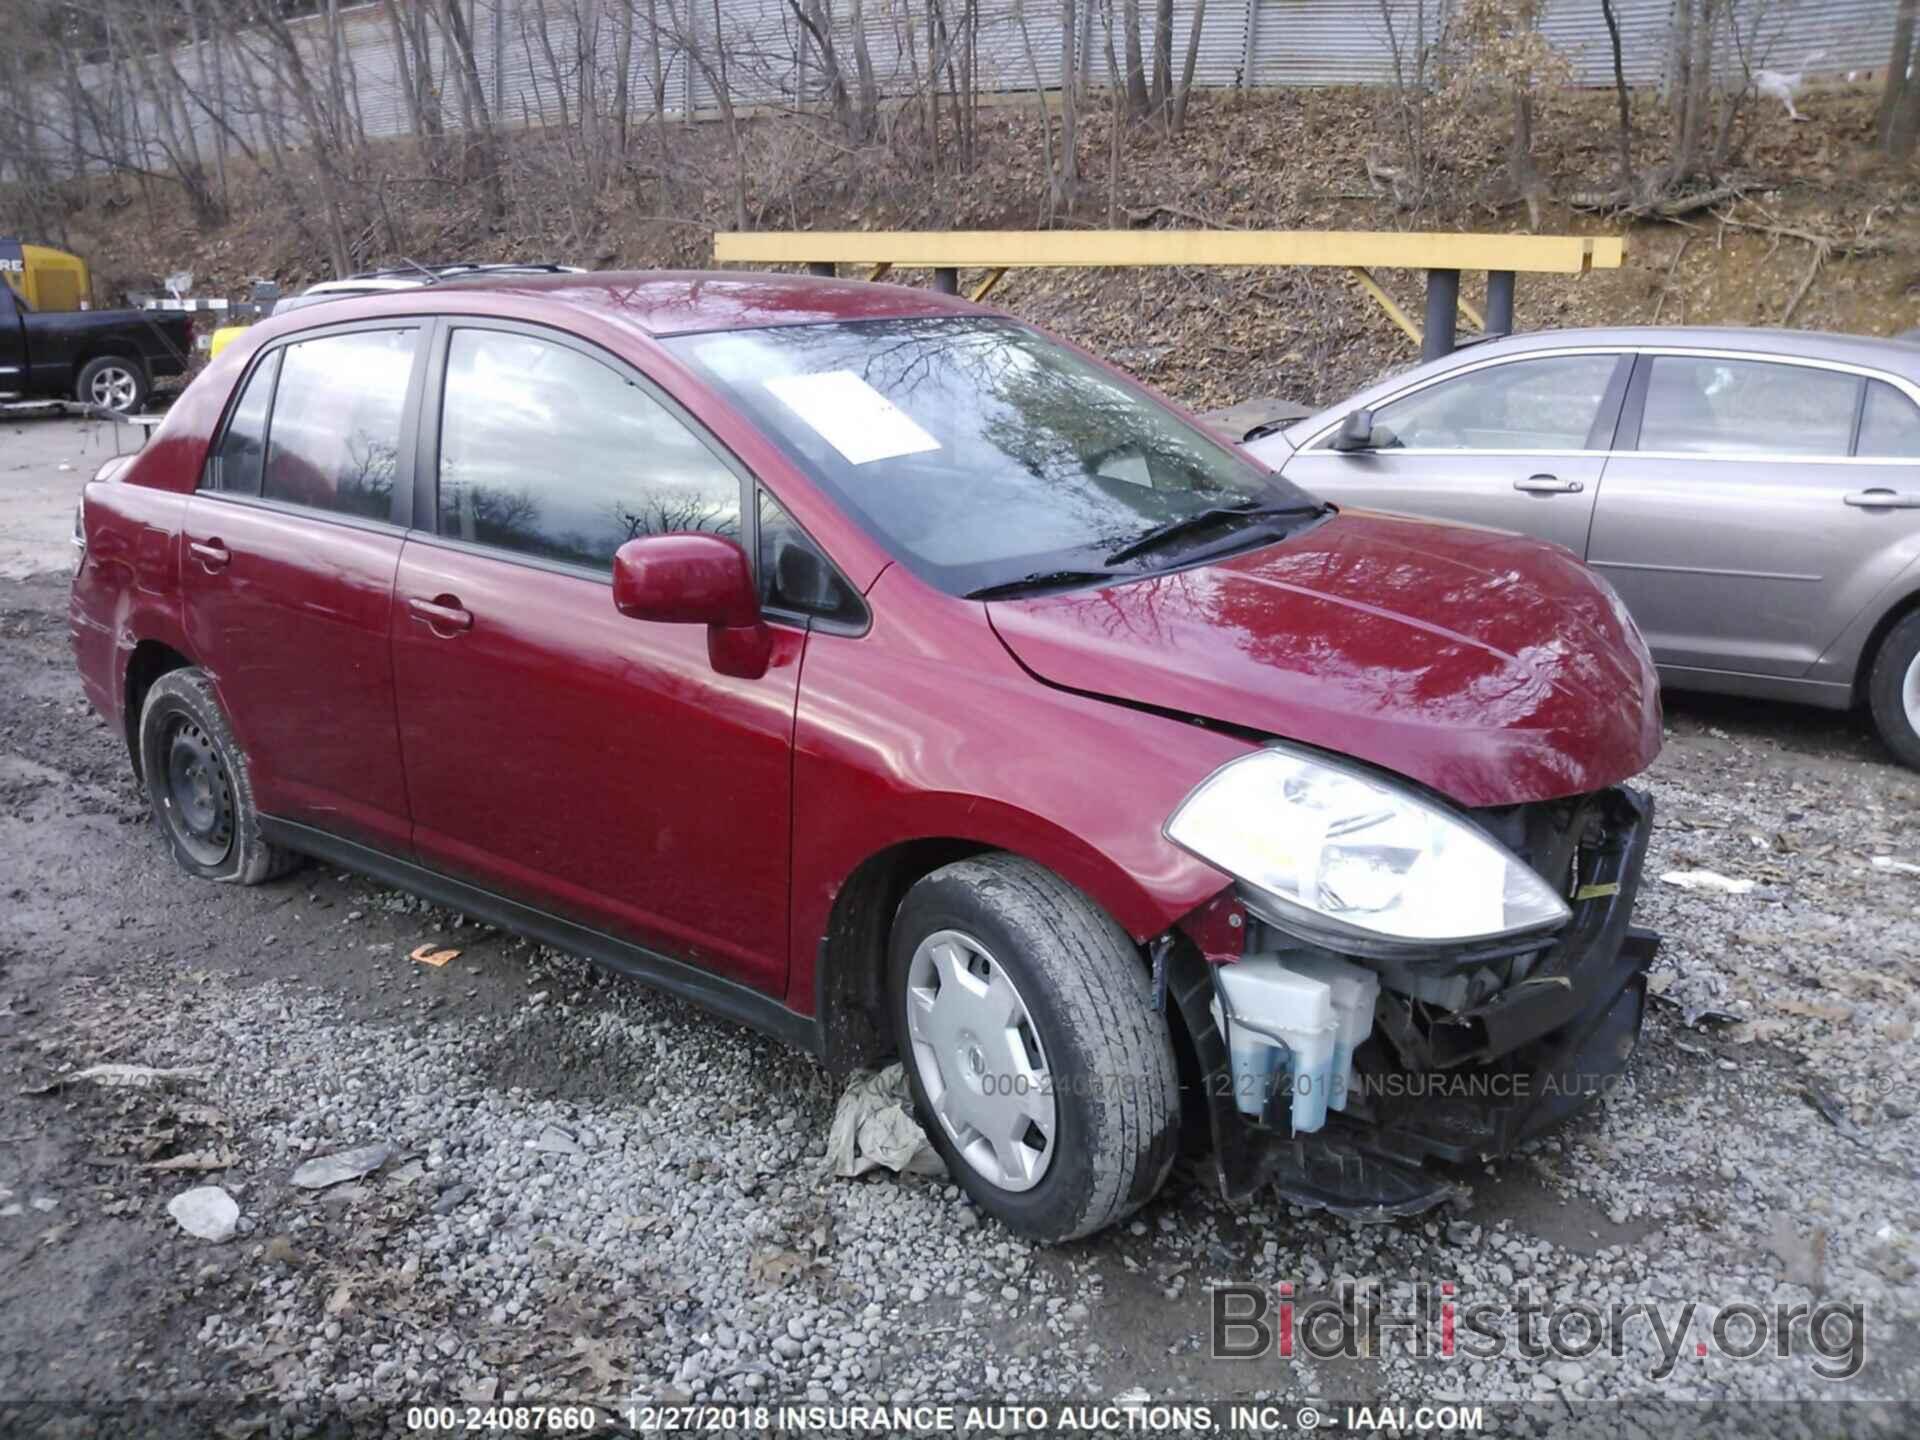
[1493, 668]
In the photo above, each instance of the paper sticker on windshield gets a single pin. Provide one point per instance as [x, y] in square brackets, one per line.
[852, 416]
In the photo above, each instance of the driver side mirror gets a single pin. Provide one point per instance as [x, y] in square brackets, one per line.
[690, 578]
[1356, 432]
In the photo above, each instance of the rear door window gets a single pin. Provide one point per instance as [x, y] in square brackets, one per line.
[243, 446]
[1889, 425]
[551, 453]
[334, 440]
[1704, 405]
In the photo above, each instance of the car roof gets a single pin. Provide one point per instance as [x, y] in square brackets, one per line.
[1874, 350]
[684, 302]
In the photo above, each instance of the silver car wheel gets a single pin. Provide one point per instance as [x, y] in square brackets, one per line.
[115, 387]
[980, 1062]
[1910, 695]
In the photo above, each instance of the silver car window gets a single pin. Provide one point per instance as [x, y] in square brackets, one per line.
[1889, 425]
[1706, 405]
[1544, 404]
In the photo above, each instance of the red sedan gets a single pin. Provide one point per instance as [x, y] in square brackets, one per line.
[879, 671]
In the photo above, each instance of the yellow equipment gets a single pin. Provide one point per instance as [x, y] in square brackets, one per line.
[48, 280]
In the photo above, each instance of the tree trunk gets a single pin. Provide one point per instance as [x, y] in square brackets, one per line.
[867, 109]
[1186, 69]
[1069, 68]
[1895, 90]
[1625, 135]
[1137, 102]
[1162, 55]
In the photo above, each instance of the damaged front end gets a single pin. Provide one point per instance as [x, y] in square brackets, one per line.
[1334, 1068]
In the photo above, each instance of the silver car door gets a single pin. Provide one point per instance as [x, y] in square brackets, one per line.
[1516, 444]
[1740, 527]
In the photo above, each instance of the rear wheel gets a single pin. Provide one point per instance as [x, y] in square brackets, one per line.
[113, 382]
[198, 784]
[1893, 690]
[1026, 1025]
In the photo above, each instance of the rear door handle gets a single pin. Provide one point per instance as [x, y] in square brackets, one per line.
[1884, 500]
[443, 612]
[210, 553]
[1549, 485]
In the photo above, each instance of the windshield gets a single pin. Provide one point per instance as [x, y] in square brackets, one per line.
[982, 453]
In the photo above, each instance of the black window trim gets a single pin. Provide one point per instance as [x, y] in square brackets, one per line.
[403, 478]
[425, 526]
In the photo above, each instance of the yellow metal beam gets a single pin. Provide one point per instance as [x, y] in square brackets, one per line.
[1473, 316]
[1416, 250]
[880, 271]
[985, 287]
[1386, 302]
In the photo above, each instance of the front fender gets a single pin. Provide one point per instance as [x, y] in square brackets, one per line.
[951, 740]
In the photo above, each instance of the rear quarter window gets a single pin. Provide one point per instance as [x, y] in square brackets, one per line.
[238, 457]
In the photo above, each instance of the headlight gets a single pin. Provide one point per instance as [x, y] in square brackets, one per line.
[1342, 857]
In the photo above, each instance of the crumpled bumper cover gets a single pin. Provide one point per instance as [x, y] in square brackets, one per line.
[1542, 1049]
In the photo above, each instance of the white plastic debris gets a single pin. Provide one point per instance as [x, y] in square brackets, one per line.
[1709, 882]
[118, 1075]
[873, 1126]
[347, 1165]
[1895, 867]
[207, 1212]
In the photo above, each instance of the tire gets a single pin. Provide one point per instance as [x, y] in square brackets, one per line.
[1005, 939]
[113, 381]
[1893, 691]
[199, 785]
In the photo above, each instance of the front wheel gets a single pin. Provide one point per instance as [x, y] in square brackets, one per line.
[1893, 691]
[198, 784]
[1025, 1020]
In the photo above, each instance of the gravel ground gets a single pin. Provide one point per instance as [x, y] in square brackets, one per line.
[595, 1192]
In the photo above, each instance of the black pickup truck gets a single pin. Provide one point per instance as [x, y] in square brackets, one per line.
[100, 357]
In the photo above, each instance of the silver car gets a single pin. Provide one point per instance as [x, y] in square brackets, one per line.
[1753, 495]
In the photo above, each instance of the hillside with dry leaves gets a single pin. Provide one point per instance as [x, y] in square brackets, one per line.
[1813, 229]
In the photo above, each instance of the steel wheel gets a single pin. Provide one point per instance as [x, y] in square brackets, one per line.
[198, 792]
[979, 1060]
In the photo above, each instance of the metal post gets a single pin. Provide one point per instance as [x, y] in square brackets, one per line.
[1443, 303]
[946, 279]
[820, 267]
[1499, 302]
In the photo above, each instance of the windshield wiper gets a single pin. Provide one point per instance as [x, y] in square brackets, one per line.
[1205, 520]
[1039, 580]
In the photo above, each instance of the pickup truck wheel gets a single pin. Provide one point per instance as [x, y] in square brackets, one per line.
[198, 784]
[1025, 1022]
[1893, 691]
[116, 383]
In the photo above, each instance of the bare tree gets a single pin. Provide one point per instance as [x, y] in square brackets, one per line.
[1185, 87]
[1623, 136]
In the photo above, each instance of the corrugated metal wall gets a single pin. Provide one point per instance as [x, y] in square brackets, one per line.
[534, 57]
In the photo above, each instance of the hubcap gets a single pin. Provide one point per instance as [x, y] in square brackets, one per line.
[199, 797]
[980, 1061]
[114, 387]
[1910, 695]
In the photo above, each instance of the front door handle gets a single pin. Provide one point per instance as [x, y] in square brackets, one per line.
[1884, 500]
[210, 553]
[443, 612]
[1549, 485]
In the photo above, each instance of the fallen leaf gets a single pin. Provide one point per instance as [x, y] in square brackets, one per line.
[427, 955]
